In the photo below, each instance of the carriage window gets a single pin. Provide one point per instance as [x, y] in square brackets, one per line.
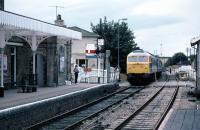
[149, 59]
[132, 59]
[142, 59]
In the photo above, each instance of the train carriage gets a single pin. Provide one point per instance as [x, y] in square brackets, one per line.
[142, 65]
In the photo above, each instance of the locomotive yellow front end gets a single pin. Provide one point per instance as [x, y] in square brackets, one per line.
[138, 66]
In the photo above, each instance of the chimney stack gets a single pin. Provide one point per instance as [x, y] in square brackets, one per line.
[59, 21]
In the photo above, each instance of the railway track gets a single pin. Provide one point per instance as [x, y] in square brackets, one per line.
[150, 114]
[131, 108]
[74, 118]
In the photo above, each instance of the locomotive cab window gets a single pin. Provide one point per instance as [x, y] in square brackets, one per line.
[132, 59]
[142, 59]
[138, 59]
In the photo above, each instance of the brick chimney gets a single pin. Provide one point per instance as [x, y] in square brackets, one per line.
[59, 21]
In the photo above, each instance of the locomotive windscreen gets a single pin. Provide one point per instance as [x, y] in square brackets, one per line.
[138, 59]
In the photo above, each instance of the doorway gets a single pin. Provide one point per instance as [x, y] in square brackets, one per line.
[41, 70]
[13, 65]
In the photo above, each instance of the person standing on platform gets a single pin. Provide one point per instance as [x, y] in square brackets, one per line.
[76, 71]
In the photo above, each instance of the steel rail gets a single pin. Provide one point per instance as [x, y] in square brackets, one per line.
[60, 116]
[120, 125]
[79, 122]
[167, 109]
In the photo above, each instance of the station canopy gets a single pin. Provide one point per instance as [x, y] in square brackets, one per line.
[22, 25]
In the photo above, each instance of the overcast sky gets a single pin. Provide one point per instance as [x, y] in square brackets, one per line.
[160, 26]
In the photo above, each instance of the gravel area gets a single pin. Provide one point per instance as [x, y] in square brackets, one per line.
[124, 109]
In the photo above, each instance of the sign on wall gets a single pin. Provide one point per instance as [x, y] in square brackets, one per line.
[62, 64]
[90, 51]
[101, 42]
[5, 65]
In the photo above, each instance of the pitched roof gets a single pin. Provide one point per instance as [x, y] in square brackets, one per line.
[84, 32]
[13, 22]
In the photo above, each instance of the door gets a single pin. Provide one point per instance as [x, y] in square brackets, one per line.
[13, 66]
[40, 70]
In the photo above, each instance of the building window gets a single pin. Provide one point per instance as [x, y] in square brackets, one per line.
[82, 62]
[62, 63]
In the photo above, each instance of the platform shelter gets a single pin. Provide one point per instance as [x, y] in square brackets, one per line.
[33, 49]
[196, 42]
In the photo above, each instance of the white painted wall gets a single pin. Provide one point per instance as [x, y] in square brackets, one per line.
[78, 50]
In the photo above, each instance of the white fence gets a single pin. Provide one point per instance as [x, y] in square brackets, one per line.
[98, 76]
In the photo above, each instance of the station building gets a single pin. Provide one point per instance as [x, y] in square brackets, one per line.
[33, 51]
[80, 48]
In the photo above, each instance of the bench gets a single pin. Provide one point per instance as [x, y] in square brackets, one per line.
[27, 88]
[27, 83]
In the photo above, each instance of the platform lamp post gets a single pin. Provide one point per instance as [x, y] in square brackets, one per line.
[122, 19]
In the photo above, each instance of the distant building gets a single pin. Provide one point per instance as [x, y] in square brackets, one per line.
[79, 49]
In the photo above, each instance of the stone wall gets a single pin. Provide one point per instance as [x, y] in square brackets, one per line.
[68, 55]
[24, 62]
[29, 114]
[63, 60]
[52, 68]
[48, 61]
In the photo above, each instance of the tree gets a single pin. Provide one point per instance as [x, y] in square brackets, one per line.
[177, 59]
[192, 58]
[169, 62]
[109, 32]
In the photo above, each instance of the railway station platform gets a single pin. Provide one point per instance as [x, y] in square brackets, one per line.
[185, 113]
[15, 98]
[30, 108]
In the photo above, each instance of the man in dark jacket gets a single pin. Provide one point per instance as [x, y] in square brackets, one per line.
[76, 71]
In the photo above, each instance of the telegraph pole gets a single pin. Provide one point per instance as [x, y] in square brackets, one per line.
[161, 50]
[187, 50]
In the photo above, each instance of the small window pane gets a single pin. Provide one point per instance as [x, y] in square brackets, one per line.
[132, 59]
[142, 59]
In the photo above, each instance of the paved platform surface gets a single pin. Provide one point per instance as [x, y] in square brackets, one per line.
[185, 113]
[14, 98]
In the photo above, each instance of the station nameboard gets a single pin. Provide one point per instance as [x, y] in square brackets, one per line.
[90, 51]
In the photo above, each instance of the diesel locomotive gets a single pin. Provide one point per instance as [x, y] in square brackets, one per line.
[142, 65]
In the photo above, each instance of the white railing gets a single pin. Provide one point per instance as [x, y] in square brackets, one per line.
[98, 76]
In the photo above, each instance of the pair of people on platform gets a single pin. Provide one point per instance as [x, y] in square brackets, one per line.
[76, 71]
